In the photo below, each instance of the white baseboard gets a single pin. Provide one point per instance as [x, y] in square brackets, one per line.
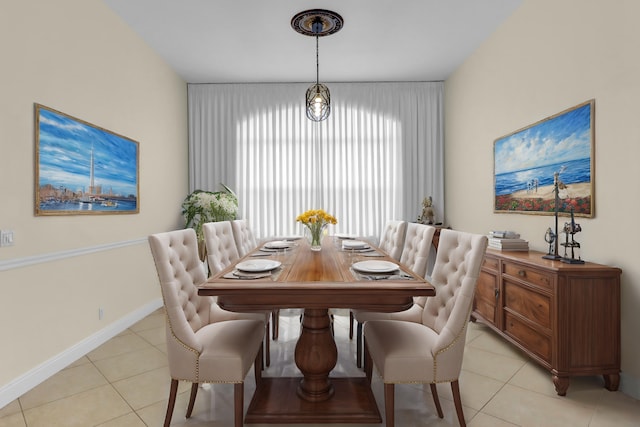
[19, 386]
[630, 385]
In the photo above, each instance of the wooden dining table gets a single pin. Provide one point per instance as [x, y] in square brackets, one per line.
[316, 281]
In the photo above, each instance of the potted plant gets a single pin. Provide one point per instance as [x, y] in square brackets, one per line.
[201, 207]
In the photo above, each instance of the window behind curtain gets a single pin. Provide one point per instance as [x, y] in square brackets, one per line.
[365, 164]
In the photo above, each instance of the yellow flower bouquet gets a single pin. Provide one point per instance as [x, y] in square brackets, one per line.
[316, 220]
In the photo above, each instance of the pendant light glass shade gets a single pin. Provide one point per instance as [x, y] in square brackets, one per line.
[318, 102]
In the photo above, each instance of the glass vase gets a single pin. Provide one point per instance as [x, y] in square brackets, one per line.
[314, 235]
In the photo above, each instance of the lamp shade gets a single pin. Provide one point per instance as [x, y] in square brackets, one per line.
[318, 102]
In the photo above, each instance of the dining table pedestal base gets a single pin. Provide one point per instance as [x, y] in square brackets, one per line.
[276, 401]
[316, 355]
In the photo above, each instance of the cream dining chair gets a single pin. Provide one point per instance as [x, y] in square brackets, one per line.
[245, 243]
[415, 255]
[390, 241]
[205, 344]
[392, 238]
[221, 253]
[243, 236]
[431, 351]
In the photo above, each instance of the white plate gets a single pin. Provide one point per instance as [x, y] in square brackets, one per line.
[354, 244]
[257, 265]
[345, 236]
[375, 266]
[278, 244]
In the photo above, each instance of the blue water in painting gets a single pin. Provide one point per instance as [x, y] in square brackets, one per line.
[571, 172]
[123, 205]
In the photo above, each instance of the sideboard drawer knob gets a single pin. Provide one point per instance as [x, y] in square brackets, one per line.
[522, 273]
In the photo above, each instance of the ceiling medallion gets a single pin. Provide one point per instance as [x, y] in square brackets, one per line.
[303, 22]
[317, 23]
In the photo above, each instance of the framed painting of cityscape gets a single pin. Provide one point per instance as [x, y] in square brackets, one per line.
[82, 169]
[526, 161]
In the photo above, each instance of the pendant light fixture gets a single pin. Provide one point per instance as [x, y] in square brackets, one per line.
[317, 23]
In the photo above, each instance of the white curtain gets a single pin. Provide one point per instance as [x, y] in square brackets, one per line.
[375, 158]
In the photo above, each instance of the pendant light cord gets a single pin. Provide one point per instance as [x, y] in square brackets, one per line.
[317, 62]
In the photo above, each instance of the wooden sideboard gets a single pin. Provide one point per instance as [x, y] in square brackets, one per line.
[564, 316]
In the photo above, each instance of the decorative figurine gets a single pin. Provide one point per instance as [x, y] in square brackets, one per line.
[551, 237]
[571, 228]
[428, 214]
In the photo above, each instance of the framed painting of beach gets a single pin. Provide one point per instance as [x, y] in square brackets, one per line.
[83, 169]
[526, 160]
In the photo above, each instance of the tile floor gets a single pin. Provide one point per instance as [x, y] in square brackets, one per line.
[125, 382]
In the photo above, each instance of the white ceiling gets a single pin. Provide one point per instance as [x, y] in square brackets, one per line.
[223, 41]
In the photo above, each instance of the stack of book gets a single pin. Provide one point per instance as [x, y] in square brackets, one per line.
[507, 241]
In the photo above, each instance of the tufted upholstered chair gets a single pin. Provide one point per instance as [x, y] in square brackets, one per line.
[430, 351]
[245, 243]
[392, 238]
[203, 345]
[221, 245]
[415, 255]
[221, 253]
[243, 236]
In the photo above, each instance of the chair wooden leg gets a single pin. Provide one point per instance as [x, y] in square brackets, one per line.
[192, 399]
[351, 319]
[359, 345]
[238, 404]
[331, 321]
[275, 323]
[173, 391]
[267, 352]
[368, 364]
[389, 404]
[257, 368]
[455, 389]
[436, 400]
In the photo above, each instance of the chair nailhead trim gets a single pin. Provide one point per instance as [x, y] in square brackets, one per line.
[183, 344]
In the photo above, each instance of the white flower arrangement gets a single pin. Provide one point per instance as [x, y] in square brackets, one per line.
[201, 207]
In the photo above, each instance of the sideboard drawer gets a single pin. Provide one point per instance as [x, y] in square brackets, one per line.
[535, 277]
[531, 339]
[531, 305]
[490, 263]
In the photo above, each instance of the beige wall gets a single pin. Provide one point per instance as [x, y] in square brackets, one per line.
[549, 56]
[78, 57]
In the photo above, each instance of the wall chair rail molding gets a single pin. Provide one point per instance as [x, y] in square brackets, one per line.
[526, 161]
[55, 256]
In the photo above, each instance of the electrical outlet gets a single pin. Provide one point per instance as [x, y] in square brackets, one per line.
[6, 238]
[100, 313]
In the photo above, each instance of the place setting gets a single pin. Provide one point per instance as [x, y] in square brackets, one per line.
[350, 245]
[378, 270]
[344, 236]
[254, 269]
[274, 247]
